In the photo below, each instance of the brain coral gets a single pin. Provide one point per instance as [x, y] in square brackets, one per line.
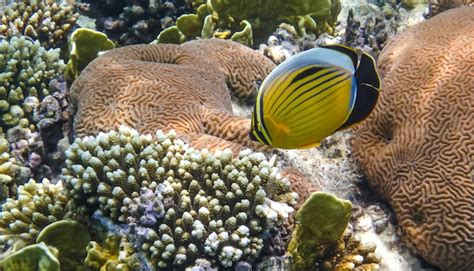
[417, 148]
[183, 87]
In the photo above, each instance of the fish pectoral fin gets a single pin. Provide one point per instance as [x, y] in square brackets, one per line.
[345, 50]
[366, 99]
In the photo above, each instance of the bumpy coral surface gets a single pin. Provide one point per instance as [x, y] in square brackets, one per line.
[43, 20]
[438, 6]
[36, 206]
[182, 87]
[182, 203]
[25, 71]
[417, 147]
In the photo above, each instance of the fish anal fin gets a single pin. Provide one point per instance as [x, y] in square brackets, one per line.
[310, 145]
[367, 97]
[345, 50]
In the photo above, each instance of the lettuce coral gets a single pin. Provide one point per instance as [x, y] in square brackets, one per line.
[182, 204]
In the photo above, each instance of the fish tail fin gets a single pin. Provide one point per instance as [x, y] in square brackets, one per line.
[367, 92]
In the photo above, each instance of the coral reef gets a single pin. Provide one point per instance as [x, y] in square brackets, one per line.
[246, 20]
[438, 6]
[133, 22]
[25, 71]
[43, 20]
[182, 87]
[416, 148]
[36, 206]
[321, 220]
[113, 255]
[181, 203]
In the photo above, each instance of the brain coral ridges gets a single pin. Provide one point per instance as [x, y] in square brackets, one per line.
[182, 204]
[417, 148]
[188, 86]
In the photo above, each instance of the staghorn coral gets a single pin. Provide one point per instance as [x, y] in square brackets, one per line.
[25, 71]
[43, 20]
[36, 206]
[185, 88]
[182, 204]
[416, 149]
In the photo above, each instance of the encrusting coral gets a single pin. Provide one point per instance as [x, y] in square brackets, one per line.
[43, 20]
[182, 87]
[181, 203]
[416, 148]
[36, 206]
[25, 71]
[321, 220]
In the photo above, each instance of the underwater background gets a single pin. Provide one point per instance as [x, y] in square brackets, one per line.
[124, 138]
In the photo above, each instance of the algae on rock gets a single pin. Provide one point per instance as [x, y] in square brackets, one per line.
[320, 220]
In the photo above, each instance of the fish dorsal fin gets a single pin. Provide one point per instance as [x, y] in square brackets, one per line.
[368, 87]
[345, 50]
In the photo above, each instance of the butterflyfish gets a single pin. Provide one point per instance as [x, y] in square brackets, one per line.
[312, 95]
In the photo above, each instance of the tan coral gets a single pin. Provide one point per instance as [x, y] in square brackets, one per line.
[438, 6]
[181, 87]
[417, 148]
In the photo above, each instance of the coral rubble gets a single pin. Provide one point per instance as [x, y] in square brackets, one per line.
[416, 148]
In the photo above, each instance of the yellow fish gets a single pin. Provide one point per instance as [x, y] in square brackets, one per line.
[312, 95]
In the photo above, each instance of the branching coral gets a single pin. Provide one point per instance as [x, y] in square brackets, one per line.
[185, 87]
[25, 71]
[36, 206]
[417, 147]
[43, 20]
[182, 203]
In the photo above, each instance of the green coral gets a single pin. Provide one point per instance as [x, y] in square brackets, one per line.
[43, 20]
[260, 18]
[184, 203]
[25, 71]
[37, 205]
[84, 44]
[320, 220]
[70, 238]
[37, 257]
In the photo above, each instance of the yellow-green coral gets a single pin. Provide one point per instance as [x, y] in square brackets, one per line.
[70, 238]
[38, 257]
[320, 220]
[43, 20]
[113, 255]
[224, 17]
[84, 45]
[184, 203]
